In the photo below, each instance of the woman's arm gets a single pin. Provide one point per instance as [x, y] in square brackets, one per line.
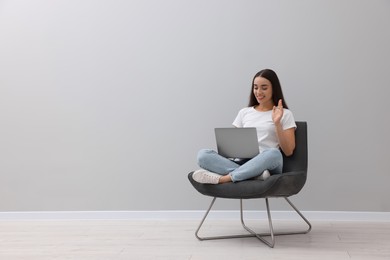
[286, 139]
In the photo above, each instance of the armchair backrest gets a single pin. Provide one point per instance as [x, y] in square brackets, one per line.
[298, 161]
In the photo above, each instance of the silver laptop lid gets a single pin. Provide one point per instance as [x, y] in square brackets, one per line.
[237, 142]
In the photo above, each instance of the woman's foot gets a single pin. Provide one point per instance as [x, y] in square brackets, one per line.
[206, 177]
[225, 179]
[263, 176]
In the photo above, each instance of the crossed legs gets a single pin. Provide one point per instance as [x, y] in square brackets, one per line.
[218, 169]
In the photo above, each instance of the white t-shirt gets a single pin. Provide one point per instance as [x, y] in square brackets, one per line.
[266, 133]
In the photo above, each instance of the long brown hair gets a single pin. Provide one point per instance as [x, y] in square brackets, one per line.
[277, 92]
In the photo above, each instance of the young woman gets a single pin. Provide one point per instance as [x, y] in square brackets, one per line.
[275, 125]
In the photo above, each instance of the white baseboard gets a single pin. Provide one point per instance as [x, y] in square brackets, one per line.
[194, 215]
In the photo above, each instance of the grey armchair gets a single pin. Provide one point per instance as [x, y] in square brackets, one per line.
[284, 185]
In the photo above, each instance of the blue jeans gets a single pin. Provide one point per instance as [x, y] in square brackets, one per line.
[270, 159]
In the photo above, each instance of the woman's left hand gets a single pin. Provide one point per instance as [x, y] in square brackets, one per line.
[277, 112]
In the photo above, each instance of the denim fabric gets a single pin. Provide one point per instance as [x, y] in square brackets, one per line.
[270, 159]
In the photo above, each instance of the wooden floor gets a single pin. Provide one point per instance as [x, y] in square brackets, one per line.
[172, 239]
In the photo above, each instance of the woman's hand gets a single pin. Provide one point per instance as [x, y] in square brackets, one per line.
[286, 137]
[277, 112]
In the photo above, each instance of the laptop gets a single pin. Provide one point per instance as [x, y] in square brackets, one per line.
[238, 143]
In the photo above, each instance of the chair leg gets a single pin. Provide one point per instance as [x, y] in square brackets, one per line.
[272, 233]
[301, 215]
[259, 236]
[215, 237]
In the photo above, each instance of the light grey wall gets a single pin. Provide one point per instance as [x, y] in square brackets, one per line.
[104, 104]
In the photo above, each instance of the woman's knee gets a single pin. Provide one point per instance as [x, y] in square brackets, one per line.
[203, 154]
[274, 153]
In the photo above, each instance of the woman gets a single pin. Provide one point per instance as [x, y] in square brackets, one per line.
[275, 125]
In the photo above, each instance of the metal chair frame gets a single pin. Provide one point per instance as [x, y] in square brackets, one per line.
[252, 233]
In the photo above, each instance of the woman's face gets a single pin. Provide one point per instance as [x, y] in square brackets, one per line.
[262, 89]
